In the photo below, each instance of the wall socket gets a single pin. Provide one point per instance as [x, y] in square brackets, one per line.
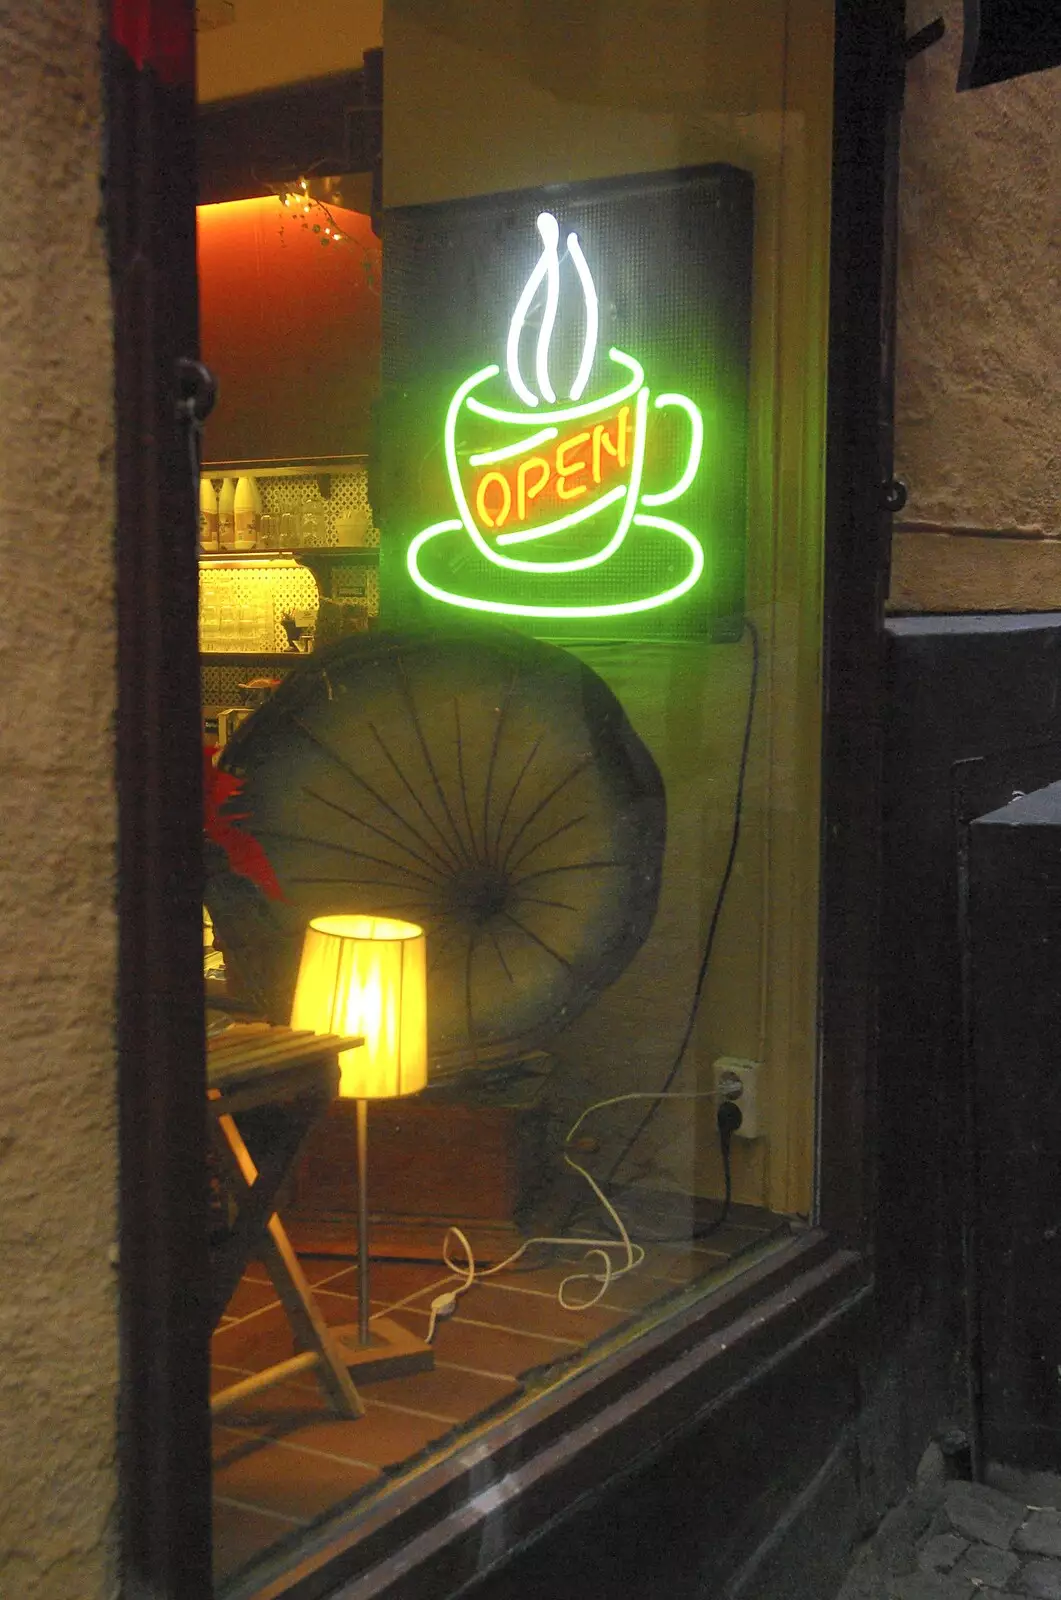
[727, 1067]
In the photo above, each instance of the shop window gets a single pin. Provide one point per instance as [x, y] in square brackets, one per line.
[511, 620]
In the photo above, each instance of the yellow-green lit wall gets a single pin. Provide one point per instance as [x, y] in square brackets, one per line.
[273, 42]
[487, 95]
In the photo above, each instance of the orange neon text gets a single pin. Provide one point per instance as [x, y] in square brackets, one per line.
[560, 476]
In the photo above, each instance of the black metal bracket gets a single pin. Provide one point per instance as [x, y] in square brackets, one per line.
[196, 397]
[893, 495]
[196, 391]
[924, 38]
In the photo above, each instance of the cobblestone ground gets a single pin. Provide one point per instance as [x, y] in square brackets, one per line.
[951, 1540]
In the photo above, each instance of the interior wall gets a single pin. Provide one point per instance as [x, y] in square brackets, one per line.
[271, 42]
[488, 95]
[58, 1154]
[279, 317]
[979, 356]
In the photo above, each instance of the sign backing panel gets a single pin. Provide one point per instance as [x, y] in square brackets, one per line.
[563, 432]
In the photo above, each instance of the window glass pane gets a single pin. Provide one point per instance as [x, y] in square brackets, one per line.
[511, 620]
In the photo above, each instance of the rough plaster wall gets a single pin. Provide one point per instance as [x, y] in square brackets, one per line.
[979, 359]
[58, 1356]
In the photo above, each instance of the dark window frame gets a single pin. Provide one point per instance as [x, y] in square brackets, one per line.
[645, 1392]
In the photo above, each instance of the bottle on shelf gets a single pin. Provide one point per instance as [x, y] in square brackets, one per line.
[246, 517]
[226, 515]
[208, 534]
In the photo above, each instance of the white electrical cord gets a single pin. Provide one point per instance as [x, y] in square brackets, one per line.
[445, 1304]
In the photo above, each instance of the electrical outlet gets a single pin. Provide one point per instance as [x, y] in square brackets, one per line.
[747, 1073]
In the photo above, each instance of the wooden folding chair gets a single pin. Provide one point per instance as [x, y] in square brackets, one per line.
[287, 1080]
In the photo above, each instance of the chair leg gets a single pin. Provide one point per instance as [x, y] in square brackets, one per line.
[296, 1296]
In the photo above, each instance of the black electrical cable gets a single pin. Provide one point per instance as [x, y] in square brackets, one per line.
[725, 1135]
[729, 1119]
[720, 899]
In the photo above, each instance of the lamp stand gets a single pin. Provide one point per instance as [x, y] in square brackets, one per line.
[383, 1348]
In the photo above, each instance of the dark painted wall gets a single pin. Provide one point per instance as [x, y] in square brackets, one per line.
[1015, 985]
[973, 712]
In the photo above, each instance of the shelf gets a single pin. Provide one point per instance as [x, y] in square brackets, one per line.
[251, 658]
[306, 555]
[308, 467]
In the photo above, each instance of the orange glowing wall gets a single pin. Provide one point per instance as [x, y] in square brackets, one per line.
[291, 327]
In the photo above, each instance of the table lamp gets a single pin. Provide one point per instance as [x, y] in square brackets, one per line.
[367, 976]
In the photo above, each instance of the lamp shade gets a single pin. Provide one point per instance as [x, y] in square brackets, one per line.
[367, 975]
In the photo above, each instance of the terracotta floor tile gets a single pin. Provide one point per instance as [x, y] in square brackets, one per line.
[283, 1458]
[393, 1280]
[381, 1437]
[242, 1532]
[281, 1478]
[295, 1415]
[444, 1392]
[278, 1409]
[292, 1411]
[487, 1349]
[255, 1342]
[627, 1293]
[316, 1268]
[536, 1311]
[250, 1295]
[221, 1377]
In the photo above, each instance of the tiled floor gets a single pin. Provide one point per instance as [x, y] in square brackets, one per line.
[283, 1460]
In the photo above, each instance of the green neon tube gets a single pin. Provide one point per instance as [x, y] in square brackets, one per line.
[696, 449]
[512, 563]
[569, 413]
[486, 458]
[625, 608]
[633, 492]
[573, 518]
[580, 563]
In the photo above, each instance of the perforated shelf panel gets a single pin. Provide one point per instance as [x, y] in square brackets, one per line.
[296, 493]
[242, 601]
[241, 604]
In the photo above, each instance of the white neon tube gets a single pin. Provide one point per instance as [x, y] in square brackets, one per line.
[548, 264]
[589, 345]
[549, 229]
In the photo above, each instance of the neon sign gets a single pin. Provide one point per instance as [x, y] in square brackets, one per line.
[546, 488]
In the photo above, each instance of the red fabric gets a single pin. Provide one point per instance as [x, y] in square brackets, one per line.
[245, 854]
[159, 34]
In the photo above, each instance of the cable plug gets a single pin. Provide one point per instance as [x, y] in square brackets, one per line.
[729, 1119]
[442, 1306]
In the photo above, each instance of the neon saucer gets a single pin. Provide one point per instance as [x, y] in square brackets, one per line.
[658, 563]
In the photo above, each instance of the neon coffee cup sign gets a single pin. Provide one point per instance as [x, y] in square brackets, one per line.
[544, 485]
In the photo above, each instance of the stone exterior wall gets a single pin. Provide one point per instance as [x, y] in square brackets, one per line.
[58, 1156]
[979, 359]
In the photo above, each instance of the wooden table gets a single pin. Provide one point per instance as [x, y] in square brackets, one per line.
[279, 1084]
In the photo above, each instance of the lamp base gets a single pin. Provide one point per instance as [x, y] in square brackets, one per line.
[393, 1352]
